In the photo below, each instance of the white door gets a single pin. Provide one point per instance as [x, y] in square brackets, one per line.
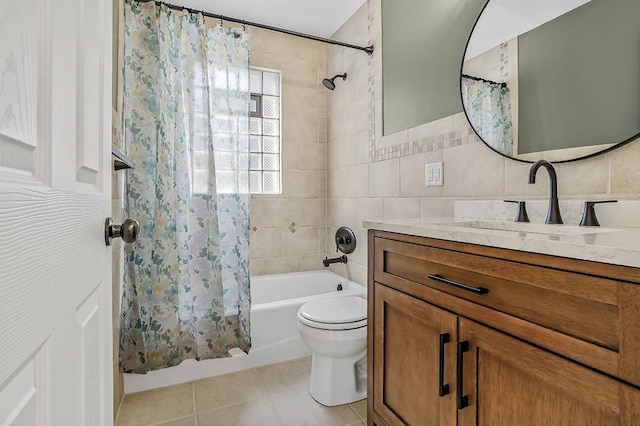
[55, 191]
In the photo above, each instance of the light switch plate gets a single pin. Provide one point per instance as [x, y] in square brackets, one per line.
[434, 174]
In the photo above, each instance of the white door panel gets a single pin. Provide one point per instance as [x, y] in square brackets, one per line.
[90, 65]
[20, 62]
[21, 400]
[89, 320]
[55, 191]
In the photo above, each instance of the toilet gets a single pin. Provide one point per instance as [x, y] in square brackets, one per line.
[335, 330]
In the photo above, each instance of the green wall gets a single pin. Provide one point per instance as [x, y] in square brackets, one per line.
[423, 44]
[579, 78]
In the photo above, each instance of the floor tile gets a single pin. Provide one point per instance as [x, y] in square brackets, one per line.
[272, 395]
[252, 413]
[286, 375]
[156, 406]
[360, 408]
[297, 408]
[229, 389]
[185, 421]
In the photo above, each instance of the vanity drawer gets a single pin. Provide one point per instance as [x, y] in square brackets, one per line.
[578, 305]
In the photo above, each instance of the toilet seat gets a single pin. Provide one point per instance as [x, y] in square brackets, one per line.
[339, 313]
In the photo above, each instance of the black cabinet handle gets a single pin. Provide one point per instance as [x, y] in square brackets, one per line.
[443, 389]
[462, 400]
[475, 290]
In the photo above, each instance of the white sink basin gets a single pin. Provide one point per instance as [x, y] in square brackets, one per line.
[535, 228]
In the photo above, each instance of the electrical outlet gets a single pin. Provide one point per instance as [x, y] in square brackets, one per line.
[434, 174]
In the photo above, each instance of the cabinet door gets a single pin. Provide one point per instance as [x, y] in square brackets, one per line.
[510, 382]
[409, 356]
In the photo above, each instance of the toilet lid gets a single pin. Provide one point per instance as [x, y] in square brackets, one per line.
[337, 310]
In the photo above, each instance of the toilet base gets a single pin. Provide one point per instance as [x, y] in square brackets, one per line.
[337, 381]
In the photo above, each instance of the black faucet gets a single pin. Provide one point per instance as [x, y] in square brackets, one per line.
[342, 259]
[553, 214]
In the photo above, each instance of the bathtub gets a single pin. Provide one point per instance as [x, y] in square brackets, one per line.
[274, 333]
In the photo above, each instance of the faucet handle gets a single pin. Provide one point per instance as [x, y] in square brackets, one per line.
[589, 214]
[521, 214]
[345, 240]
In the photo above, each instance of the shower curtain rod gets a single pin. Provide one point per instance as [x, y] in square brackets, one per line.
[484, 80]
[368, 49]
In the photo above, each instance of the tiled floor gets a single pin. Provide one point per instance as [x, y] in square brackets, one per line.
[275, 395]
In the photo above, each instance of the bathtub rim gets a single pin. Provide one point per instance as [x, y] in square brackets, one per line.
[354, 289]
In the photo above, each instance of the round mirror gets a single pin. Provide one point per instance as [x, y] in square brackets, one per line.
[554, 79]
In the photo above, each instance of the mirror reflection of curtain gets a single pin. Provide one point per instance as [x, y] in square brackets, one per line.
[185, 125]
[488, 106]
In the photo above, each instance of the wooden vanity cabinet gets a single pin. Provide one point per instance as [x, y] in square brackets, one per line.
[441, 355]
[510, 382]
[412, 340]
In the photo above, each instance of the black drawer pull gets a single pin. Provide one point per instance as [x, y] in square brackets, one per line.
[443, 389]
[476, 290]
[461, 400]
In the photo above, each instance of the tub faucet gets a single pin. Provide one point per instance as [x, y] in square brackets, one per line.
[553, 213]
[342, 259]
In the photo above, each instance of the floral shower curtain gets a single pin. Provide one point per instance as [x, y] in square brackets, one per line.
[185, 125]
[489, 107]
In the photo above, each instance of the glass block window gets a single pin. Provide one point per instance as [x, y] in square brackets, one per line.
[264, 127]
[214, 124]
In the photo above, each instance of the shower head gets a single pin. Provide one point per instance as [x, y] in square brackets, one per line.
[329, 84]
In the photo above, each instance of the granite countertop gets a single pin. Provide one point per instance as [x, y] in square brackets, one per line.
[618, 246]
